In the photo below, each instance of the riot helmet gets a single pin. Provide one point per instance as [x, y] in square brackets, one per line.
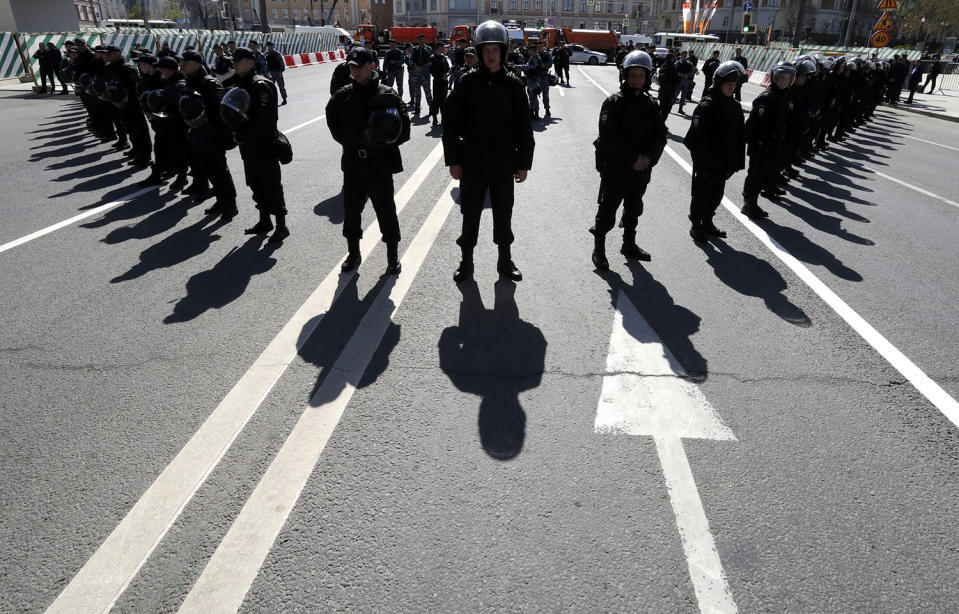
[730, 70]
[636, 59]
[192, 110]
[783, 75]
[384, 126]
[157, 103]
[145, 102]
[805, 66]
[492, 31]
[99, 87]
[235, 107]
[116, 94]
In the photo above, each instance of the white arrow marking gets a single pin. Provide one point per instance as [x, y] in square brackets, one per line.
[646, 393]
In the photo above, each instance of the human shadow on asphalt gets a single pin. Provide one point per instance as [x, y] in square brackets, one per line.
[542, 124]
[61, 152]
[830, 178]
[227, 280]
[80, 160]
[674, 323]
[163, 217]
[825, 197]
[175, 249]
[87, 171]
[331, 208]
[101, 181]
[323, 338]
[496, 355]
[752, 276]
[52, 133]
[799, 245]
[67, 140]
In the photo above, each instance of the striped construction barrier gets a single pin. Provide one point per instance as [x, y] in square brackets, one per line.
[763, 58]
[11, 64]
[305, 59]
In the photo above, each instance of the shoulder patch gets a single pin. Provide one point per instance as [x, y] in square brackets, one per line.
[760, 110]
[695, 121]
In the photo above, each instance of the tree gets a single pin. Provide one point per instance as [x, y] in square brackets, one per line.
[203, 11]
[941, 18]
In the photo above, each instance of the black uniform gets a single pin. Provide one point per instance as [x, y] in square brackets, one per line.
[130, 113]
[717, 141]
[561, 57]
[630, 126]
[209, 143]
[668, 82]
[766, 131]
[745, 63]
[341, 77]
[256, 138]
[176, 134]
[709, 67]
[367, 167]
[440, 70]
[487, 131]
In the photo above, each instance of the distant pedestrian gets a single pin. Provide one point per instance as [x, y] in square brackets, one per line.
[275, 64]
[915, 77]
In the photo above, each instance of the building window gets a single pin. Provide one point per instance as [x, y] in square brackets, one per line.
[276, 14]
[568, 5]
[512, 5]
[525, 5]
[493, 6]
[539, 4]
[609, 7]
[582, 6]
[286, 14]
[432, 5]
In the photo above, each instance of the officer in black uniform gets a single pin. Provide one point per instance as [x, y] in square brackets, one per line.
[709, 67]
[393, 63]
[440, 70]
[276, 65]
[632, 136]
[765, 138]
[739, 57]
[717, 141]
[341, 75]
[209, 137]
[370, 121]
[668, 82]
[172, 83]
[126, 78]
[252, 118]
[488, 144]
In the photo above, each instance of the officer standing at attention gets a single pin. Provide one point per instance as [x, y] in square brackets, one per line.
[393, 62]
[275, 64]
[739, 57]
[766, 131]
[341, 75]
[209, 137]
[717, 141]
[370, 121]
[632, 136]
[127, 77]
[537, 76]
[440, 70]
[668, 82]
[709, 67]
[420, 74]
[488, 144]
[249, 108]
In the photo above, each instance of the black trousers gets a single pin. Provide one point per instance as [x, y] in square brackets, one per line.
[666, 97]
[562, 71]
[440, 90]
[478, 178]
[209, 157]
[616, 188]
[764, 166]
[49, 72]
[263, 176]
[136, 127]
[738, 95]
[375, 182]
[707, 193]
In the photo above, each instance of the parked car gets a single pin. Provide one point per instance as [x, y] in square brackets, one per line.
[585, 56]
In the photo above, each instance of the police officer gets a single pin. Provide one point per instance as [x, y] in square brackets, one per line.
[470, 62]
[165, 105]
[251, 114]
[669, 80]
[458, 54]
[766, 131]
[209, 137]
[561, 57]
[222, 66]
[709, 67]
[632, 136]
[420, 74]
[537, 79]
[488, 144]
[370, 121]
[739, 57]
[393, 62]
[341, 75]
[717, 141]
[125, 78]
[275, 65]
[259, 60]
[440, 70]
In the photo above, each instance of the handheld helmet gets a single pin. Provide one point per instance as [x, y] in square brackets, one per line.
[235, 107]
[192, 110]
[384, 126]
[157, 103]
[729, 71]
[492, 31]
[779, 73]
[637, 59]
[99, 87]
[116, 94]
[145, 103]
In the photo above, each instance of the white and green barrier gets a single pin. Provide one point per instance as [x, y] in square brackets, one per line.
[762, 58]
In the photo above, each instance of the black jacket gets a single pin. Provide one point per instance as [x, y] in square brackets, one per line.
[341, 76]
[348, 114]
[709, 67]
[439, 66]
[488, 109]
[768, 120]
[717, 134]
[668, 76]
[129, 76]
[630, 125]
[394, 59]
[259, 132]
[211, 91]
[275, 61]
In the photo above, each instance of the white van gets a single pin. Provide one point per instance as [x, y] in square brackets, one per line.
[635, 39]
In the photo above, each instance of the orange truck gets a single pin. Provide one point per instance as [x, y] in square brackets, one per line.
[402, 35]
[604, 41]
[461, 32]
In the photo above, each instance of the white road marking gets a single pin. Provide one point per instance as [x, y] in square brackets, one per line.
[111, 205]
[74, 219]
[922, 382]
[104, 577]
[237, 560]
[559, 88]
[646, 393]
[916, 138]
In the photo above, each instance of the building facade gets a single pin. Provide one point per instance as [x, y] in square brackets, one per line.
[39, 16]
[343, 13]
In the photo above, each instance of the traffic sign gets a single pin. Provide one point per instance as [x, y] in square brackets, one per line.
[625, 22]
[880, 38]
[885, 5]
[884, 23]
[747, 7]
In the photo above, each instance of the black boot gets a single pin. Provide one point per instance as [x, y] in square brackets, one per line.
[353, 256]
[197, 186]
[263, 226]
[281, 231]
[631, 250]
[393, 266]
[505, 266]
[155, 178]
[465, 269]
[709, 228]
[696, 231]
[599, 252]
[179, 183]
[751, 208]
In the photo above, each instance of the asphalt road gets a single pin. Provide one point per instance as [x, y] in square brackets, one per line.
[466, 473]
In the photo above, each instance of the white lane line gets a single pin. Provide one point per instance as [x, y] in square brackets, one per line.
[111, 205]
[907, 185]
[104, 577]
[237, 560]
[74, 219]
[916, 138]
[922, 382]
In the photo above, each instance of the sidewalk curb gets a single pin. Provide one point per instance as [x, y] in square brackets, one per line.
[948, 118]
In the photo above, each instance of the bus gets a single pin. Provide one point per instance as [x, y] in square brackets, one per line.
[141, 24]
[676, 39]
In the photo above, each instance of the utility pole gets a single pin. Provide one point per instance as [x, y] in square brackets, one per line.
[264, 22]
[852, 16]
[799, 31]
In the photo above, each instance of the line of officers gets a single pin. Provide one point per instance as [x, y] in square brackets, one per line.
[487, 137]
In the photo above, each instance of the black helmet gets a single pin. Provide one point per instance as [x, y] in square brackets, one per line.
[157, 103]
[729, 71]
[145, 102]
[492, 31]
[235, 107]
[99, 87]
[193, 110]
[783, 68]
[806, 66]
[384, 127]
[116, 94]
[636, 59]
[84, 81]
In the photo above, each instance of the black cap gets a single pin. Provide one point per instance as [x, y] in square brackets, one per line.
[359, 56]
[470, 51]
[145, 58]
[112, 48]
[191, 56]
[168, 62]
[99, 49]
[243, 53]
